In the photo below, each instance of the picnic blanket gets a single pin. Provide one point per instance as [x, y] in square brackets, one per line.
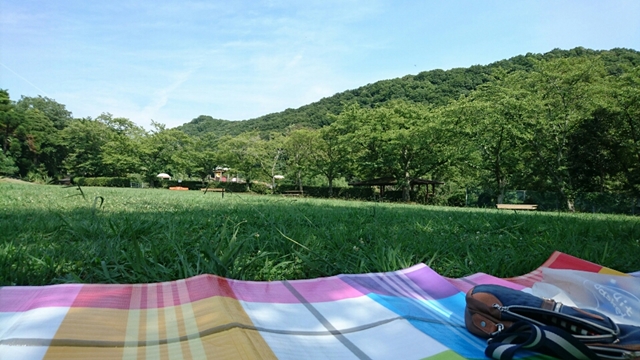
[409, 314]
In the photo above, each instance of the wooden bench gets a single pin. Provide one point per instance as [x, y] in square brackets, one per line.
[293, 193]
[220, 190]
[517, 206]
[181, 188]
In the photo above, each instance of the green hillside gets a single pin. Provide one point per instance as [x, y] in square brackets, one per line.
[434, 87]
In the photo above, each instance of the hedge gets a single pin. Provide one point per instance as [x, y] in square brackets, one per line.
[103, 181]
[363, 193]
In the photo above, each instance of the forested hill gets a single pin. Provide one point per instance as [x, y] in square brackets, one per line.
[435, 87]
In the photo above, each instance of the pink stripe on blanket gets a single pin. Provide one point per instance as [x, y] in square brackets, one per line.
[325, 289]
[258, 291]
[104, 296]
[24, 298]
[313, 290]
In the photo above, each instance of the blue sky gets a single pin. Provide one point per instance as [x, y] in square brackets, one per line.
[172, 61]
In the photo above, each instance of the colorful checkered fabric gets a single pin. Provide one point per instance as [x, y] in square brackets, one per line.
[409, 314]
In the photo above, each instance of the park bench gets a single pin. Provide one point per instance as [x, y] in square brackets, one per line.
[181, 188]
[517, 206]
[293, 193]
[220, 190]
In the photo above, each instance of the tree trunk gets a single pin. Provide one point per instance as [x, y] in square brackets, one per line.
[569, 198]
[330, 186]
[273, 172]
[501, 192]
[498, 167]
[406, 194]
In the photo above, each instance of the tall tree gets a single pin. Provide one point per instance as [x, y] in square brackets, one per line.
[597, 152]
[400, 139]
[7, 126]
[235, 153]
[205, 155]
[330, 155]
[54, 151]
[625, 90]
[84, 139]
[165, 150]
[561, 94]
[56, 112]
[268, 157]
[121, 152]
[298, 146]
[39, 140]
[255, 157]
[493, 119]
[9, 120]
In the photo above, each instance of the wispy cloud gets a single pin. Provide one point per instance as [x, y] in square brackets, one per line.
[163, 95]
[25, 79]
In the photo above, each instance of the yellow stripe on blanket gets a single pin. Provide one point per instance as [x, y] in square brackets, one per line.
[225, 330]
[214, 328]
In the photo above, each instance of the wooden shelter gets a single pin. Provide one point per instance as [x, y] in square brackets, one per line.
[392, 181]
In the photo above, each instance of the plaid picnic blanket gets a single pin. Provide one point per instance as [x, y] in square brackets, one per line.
[408, 314]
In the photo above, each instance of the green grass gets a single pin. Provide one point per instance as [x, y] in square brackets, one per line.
[51, 234]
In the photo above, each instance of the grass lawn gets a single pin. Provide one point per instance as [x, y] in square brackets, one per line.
[51, 234]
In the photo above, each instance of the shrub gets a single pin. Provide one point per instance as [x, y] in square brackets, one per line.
[363, 193]
[103, 181]
[232, 186]
[606, 203]
[259, 188]
[228, 186]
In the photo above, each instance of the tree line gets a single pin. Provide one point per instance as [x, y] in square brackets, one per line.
[567, 124]
[435, 87]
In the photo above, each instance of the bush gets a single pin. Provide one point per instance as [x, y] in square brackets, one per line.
[228, 186]
[318, 191]
[232, 186]
[102, 181]
[396, 196]
[362, 193]
[259, 188]
[606, 203]
[7, 165]
[451, 194]
[546, 201]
